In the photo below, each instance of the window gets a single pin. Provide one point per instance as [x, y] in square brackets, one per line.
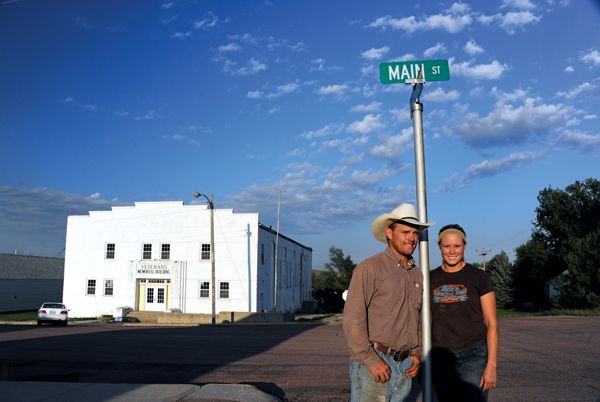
[204, 289]
[224, 290]
[110, 251]
[147, 252]
[165, 252]
[205, 255]
[150, 295]
[262, 254]
[108, 287]
[91, 287]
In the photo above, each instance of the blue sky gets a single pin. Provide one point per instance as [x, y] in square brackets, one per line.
[108, 103]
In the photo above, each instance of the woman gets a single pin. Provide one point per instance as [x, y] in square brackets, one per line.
[464, 325]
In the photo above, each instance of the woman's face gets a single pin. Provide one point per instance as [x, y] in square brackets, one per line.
[452, 247]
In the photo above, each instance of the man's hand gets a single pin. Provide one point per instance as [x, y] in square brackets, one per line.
[416, 365]
[380, 371]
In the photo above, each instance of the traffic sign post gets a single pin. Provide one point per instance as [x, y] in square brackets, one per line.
[417, 73]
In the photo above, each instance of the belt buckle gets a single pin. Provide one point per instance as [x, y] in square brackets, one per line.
[400, 355]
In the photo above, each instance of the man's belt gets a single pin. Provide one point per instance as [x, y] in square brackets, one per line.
[397, 355]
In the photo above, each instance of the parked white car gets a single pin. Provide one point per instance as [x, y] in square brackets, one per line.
[54, 313]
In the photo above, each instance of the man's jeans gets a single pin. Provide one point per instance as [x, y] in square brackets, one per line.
[365, 389]
[456, 376]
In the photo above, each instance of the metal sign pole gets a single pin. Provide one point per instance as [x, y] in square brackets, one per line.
[416, 110]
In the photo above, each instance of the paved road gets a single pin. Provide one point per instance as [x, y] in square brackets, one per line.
[541, 358]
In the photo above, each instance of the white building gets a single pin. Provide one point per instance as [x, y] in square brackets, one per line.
[156, 256]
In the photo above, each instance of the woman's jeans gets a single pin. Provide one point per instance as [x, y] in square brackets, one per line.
[456, 375]
[365, 389]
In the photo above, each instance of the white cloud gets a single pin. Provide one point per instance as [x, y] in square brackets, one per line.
[230, 47]
[181, 35]
[491, 71]
[391, 147]
[580, 89]
[401, 114]
[246, 38]
[329, 129]
[514, 20]
[433, 51]
[209, 22]
[371, 107]
[91, 108]
[454, 20]
[510, 21]
[167, 5]
[150, 115]
[360, 178]
[581, 141]
[368, 124]
[168, 20]
[439, 95]
[369, 71]
[569, 69]
[509, 125]
[472, 48]
[592, 56]
[254, 94]
[489, 168]
[337, 89]
[321, 65]
[506, 97]
[280, 90]
[520, 4]
[375, 53]
[68, 99]
[296, 152]
[253, 66]
[459, 8]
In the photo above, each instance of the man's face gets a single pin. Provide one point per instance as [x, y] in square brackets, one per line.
[402, 239]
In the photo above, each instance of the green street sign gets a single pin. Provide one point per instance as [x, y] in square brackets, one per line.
[412, 72]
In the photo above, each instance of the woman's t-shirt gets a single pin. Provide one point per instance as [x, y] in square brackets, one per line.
[457, 319]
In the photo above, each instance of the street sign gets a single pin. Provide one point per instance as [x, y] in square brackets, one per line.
[412, 72]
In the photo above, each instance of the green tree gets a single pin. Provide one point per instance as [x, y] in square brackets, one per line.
[581, 289]
[328, 285]
[500, 271]
[530, 275]
[341, 267]
[563, 236]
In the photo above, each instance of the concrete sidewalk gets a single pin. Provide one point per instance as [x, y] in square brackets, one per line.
[26, 391]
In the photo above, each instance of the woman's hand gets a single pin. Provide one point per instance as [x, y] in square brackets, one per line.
[488, 379]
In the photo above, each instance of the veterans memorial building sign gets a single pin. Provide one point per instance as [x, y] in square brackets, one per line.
[410, 72]
[153, 268]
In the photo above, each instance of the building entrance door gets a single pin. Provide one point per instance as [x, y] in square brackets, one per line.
[155, 298]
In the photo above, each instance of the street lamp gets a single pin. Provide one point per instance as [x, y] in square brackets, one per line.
[211, 205]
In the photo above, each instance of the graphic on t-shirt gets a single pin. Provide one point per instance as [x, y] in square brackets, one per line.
[450, 294]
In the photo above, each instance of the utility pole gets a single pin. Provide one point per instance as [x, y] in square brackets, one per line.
[483, 252]
[213, 285]
[276, 271]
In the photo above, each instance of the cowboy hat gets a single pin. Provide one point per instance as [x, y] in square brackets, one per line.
[405, 213]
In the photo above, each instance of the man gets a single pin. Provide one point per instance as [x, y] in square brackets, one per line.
[382, 311]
